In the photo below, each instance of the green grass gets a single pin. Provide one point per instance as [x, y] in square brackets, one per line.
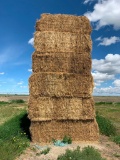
[88, 153]
[13, 137]
[103, 103]
[9, 110]
[105, 126]
[14, 130]
[116, 139]
[110, 111]
[108, 118]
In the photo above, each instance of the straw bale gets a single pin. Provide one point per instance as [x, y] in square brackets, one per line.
[53, 108]
[79, 130]
[63, 23]
[61, 62]
[60, 84]
[52, 41]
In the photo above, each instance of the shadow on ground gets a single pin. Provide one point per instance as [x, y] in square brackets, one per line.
[25, 125]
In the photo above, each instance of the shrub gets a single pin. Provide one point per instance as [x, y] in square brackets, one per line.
[88, 153]
[17, 101]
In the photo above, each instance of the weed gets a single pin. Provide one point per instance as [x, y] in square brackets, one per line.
[46, 151]
[116, 155]
[67, 139]
[88, 153]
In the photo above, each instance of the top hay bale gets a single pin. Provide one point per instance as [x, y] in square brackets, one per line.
[63, 23]
[63, 33]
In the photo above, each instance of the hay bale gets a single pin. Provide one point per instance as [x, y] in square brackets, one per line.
[52, 41]
[63, 23]
[60, 85]
[78, 130]
[53, 108]
[61, 62]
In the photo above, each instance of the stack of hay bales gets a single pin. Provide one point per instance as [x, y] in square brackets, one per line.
[61, 85]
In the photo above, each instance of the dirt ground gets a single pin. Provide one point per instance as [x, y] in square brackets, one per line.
[26, 98]
[108, 150]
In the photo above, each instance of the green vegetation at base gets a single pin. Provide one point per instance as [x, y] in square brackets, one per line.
[67, 139]
[13, 137]
[88, 153]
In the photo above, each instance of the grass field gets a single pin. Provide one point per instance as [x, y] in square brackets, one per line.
[14, 125]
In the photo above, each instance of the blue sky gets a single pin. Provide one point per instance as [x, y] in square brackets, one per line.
[17, 26]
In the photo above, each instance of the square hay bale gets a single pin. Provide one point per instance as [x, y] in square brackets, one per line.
[60, 85]
[52, 41]
[60, 108]
[61, 62]
[78, 130]
[63, 23]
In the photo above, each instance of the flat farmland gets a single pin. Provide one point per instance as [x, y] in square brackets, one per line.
[26, 97]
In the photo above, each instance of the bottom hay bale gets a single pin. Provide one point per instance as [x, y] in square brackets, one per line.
[55, 108]
[86, 130]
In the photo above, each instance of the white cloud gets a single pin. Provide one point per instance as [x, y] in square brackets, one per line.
[23, 86]
[109, 65]
[106, 12]
[108, 41]
[29, 70]
[106, 70]
[107, 90]
[20, 83]
[1, 73]
[117, 83]
[87, 1]
[101, 77]
[31, 41]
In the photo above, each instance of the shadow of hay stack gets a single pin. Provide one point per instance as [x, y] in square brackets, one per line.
[25, 125]
[61, 85]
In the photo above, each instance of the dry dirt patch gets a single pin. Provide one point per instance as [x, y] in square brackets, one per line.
[108, 150]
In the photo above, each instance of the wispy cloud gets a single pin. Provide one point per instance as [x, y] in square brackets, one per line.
[108, 41]
[20, 83]
[106, 12]
[1, 73]
[31, 41]
[111, 90]
[29, 70]
[10, 54]
[87, 1]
